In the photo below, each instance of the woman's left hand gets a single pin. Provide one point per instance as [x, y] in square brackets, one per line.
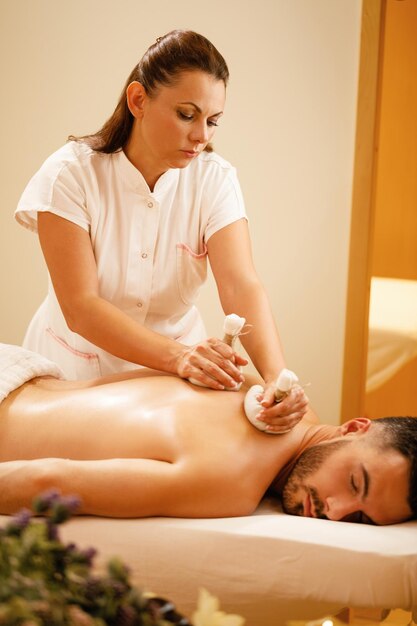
[282, 416]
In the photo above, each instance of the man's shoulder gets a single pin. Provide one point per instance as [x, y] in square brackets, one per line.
[316, 432]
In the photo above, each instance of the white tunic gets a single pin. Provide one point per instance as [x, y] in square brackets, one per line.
[149, 247]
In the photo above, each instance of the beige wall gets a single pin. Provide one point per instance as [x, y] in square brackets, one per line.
[288, 128]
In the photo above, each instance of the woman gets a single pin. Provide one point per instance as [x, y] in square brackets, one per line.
[127, 218]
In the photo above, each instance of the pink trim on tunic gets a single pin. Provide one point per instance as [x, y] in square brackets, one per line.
[83, 355]
[183, 246]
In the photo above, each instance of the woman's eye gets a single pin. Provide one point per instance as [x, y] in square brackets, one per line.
[212, 123]
[353, 484]
[184, 116]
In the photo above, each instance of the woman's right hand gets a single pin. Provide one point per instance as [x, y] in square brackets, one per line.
[212, 363]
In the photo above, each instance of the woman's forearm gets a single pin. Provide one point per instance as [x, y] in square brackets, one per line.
[241, 292]
[72, 266]
[104, 325]
[110, 329]
[262, 342]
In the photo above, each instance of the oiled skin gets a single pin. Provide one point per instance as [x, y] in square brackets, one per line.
[138, 444]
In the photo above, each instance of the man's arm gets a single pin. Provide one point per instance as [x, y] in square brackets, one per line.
[109, 487]
[123, 487]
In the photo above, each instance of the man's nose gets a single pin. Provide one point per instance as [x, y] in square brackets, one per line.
[338, 509]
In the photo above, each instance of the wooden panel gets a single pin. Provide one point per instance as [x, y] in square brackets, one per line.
[398, 396]
[395, 220]
[395, 227]
[356, 337]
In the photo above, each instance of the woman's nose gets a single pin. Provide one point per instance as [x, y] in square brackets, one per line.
[199, 133]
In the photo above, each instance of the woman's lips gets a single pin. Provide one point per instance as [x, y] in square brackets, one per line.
[190, 154]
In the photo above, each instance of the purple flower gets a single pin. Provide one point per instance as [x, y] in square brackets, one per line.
[72, 502]
[45, 500]
[19, 522]
[22, 518]
[63, 507]
[88, 555]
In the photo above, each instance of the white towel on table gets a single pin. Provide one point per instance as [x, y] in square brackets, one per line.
[18, 365]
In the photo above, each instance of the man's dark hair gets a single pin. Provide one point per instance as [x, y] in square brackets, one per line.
[400, 433]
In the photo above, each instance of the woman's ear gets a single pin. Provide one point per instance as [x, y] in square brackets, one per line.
[359, 425]
[136, 97]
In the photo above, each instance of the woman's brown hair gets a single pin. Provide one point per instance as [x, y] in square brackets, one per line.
[175, 52]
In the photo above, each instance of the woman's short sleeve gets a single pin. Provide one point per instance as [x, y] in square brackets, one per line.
[223, 201]
[58, 187]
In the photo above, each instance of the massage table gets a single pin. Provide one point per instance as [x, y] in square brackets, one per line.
[268, 567]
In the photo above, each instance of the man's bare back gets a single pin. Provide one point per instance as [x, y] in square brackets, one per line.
[159, 445]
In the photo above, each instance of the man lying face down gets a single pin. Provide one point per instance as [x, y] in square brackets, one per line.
[149, 444]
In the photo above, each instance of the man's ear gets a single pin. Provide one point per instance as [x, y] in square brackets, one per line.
[359, 425]
[136, 97]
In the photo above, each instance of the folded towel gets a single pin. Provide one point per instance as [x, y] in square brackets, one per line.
[18, 365]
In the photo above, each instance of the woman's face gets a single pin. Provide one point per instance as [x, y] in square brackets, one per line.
[176, 123]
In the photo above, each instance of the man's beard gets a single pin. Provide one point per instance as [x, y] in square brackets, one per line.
[296, 487]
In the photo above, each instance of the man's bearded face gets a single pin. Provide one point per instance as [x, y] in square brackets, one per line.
[351, 480]
[298, 486]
